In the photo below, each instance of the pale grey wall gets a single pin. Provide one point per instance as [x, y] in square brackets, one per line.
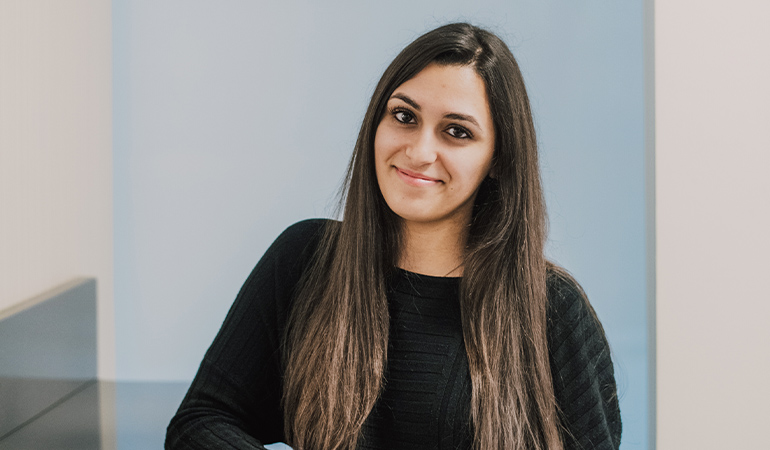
[234, 119]
[56, 153]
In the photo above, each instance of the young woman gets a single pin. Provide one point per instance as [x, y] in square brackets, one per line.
[428, 317]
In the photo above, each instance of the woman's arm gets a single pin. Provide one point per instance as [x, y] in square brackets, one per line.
[234, 400]
[581, 367]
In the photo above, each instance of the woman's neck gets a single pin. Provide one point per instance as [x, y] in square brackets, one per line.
[434, 249]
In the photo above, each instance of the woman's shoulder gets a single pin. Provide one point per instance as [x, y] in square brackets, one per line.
[303, 231]
[581, 366]
[300, 238]
[566, 299]
[572, 321]
[291, 252]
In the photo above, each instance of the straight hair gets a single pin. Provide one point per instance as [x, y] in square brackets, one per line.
[335, 346]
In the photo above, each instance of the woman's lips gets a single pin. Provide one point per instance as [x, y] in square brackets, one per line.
[415, 179]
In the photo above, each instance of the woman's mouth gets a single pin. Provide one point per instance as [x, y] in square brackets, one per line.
[415, 179]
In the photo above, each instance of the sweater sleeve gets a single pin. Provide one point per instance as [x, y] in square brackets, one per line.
[581, 366]
[234, 400]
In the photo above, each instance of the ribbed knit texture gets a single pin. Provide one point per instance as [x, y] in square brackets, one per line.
[234, 400]
[425, 404]
[581, 368]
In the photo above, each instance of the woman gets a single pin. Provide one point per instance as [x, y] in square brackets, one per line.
[428, 317]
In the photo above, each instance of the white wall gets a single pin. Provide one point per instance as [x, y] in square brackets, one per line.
[56, 152]
[712, 151]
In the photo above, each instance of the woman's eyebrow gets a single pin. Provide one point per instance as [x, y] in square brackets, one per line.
[455, 116]
[406, 99]
[463, 117]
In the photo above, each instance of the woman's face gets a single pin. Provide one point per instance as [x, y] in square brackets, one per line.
[434, 145]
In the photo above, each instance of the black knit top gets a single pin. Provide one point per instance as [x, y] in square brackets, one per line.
[234, 400]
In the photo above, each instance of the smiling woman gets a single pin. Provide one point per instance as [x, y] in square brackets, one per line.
[428, 317]
[432, 150]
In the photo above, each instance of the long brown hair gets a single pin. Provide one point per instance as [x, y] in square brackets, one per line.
[336, 340]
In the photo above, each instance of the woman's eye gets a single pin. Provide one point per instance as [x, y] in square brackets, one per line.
[403, 116]
[458, 132]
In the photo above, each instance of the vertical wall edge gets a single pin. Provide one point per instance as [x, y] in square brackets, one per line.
[650, 216]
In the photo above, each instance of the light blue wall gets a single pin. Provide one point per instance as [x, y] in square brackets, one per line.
[234, 119]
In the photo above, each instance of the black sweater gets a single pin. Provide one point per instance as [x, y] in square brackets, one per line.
[234, 400]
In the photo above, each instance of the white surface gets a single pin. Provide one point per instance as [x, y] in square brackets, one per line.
[56, 153]
[713, 215]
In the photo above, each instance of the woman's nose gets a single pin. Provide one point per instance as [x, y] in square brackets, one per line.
[423, 149]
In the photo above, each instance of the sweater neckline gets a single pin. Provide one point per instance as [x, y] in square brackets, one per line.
[420, 285]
